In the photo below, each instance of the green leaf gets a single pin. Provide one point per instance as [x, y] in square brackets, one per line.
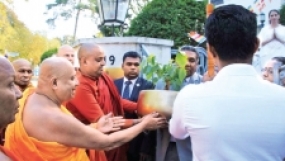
[151, 59]
[181, 74]
[181, 59]
[154, 80]
[173, 72]
[149, 76]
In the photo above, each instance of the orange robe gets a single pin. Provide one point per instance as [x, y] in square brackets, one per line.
[9, 154]
[92, 100]
[31, 149]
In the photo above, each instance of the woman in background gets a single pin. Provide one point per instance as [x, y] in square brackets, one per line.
[272, 40]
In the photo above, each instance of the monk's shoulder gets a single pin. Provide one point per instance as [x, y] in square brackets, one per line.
[86, 84]
[44, 123]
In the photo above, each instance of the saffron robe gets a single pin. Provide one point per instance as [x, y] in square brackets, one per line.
[31, 149]
[95, 98]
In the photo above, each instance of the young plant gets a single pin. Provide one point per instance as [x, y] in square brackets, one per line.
[172, 72]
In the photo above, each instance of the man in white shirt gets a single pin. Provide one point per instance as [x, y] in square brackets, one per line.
[238, 116]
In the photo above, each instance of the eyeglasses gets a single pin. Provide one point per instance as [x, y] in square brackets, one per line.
[268, 70]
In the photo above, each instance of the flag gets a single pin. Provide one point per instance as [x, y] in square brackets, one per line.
[197, 37]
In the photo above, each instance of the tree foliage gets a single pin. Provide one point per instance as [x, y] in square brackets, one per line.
[16, 37]
[67, 9]
[169, 19]
[48, 53]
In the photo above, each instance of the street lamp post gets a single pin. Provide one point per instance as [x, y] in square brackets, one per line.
[262, 19]
[113, 12]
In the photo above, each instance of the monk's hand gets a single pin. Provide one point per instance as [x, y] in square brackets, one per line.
[154, 121]
[108, 123]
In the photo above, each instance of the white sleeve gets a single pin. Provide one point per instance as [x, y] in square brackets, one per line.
[176, 124]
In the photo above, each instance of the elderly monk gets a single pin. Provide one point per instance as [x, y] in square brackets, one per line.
[9, 95]
[97, 95]
[24, 73]
[45, 130]
[67, 52]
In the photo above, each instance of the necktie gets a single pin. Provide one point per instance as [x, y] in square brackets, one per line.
[126, 93]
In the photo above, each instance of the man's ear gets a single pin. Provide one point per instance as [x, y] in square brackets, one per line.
[54, 83]
[83, 60]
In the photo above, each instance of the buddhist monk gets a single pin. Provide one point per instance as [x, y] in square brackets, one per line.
[9, 95]
[45, 130]
[24, 73]
[67, 52]
[23, 76]
[97, 95]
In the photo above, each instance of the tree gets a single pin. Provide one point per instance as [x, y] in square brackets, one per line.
[169, 19]
[48, 53]
[68, 9]
[15, 37]
[67, 39]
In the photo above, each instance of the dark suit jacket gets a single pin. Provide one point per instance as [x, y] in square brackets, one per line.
[143, 143]
[141, 84]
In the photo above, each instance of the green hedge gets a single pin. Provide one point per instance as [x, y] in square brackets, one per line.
[169, 19]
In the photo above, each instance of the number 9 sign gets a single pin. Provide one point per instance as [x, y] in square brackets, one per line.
[112, 59]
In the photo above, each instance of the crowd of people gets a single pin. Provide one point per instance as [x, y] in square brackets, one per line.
[84, 115]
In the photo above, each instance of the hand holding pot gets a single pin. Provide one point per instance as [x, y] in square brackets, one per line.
[154, 121]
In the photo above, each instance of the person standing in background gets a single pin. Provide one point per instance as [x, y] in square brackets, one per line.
[129, 87]
[272, 41]
[168, 148]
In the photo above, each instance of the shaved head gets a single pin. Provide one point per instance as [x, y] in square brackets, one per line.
[57, 79]
[5, 66]
[54, 67]
[91, 59]
[9, 93]
[88, 49]
[21, 61]
[67, 52]
[24, 72]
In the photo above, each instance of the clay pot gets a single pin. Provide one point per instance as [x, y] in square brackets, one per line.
[160, 101]
[114, 72]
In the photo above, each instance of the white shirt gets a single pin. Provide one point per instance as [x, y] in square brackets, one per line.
[236, 117]
[131, 86]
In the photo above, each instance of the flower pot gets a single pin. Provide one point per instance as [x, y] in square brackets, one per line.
[160, 101]
[114, 72]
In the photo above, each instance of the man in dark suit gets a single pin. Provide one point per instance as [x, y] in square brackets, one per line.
[143, 146]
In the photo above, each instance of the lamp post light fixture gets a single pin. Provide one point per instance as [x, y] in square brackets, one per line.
[262, 19]
[113, 12]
